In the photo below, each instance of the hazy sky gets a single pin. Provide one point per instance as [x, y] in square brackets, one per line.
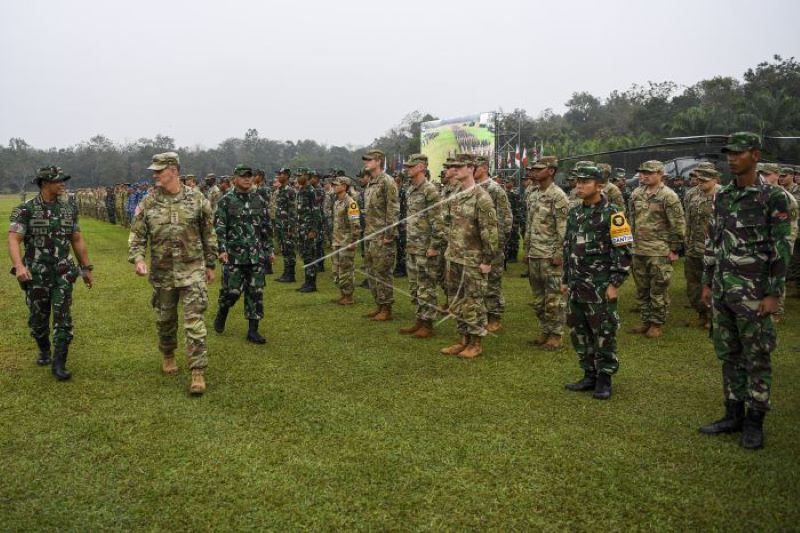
[342, 71]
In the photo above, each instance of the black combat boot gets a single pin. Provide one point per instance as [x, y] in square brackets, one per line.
[219, 320]
[44, 351]
[253, 335]
[753, 429]
[287, 276]
[730, 423]
[587, 383]
[268, 268]
[602, 389]
[60, 362]
[321, 266]
[309, 286]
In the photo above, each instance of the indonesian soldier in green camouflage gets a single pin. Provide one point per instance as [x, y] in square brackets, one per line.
[178, 224]
[309, 228]
[286, 224]
[659, 228]
[48, 227]
[346, 231]
[787, 181]
[746, 259]
[244, 242]
[597, 260]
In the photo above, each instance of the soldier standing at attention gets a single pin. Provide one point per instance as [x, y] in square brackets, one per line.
[746, 259]
[309, 228]
[178, 223]
[319, 203]
[548, 207]
[786, 179]
[495, 302]
[425, 235]
[382, 209]
[471, 245]
[245, 247]
[262, 187]
[212, 191]
[512, 245]
[346, 231]
[47, 227]
[400, 267]
[285, 224]
[610, 190]
[659, 228]
[597, 259]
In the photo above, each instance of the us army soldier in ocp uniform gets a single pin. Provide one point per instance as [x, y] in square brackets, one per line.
[178, 223]
[346, 232]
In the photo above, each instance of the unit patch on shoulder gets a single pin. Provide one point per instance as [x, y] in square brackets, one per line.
[353, 212]
[621, 234]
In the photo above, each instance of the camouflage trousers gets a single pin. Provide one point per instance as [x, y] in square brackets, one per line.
[344, 269]
[693, 272]
[423, 274]
[287, 248]
[794, 266]
[512, 246]
[247, 279]
[48, 292]
[400, 266]
[379, 262]
[548, 302]
[652, 276]
[593, 331]
[195, 301]
[468, 284]
[743, 341]
[495, 302]
[308, 253]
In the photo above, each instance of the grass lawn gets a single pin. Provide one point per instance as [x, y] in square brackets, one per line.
[340, 423]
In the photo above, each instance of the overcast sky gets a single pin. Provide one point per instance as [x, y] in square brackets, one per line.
[341, 71]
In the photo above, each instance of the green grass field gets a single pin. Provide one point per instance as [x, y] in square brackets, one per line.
[340, 423]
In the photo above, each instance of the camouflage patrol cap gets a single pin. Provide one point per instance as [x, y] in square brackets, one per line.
[588, 173]
[372, 155]
[300, 171]
[769, 168]
[651, 166]
[211, 176]
[260, 172]
[741, 142]
[162, 161]
[51, 174]
[448, 162]
[605, 170]
[619, 172]
[415, 159]
[580, 164]
[284, 170]
[312, 173]
[787, 170]
[242, 170]
[341, 180]
[191, 176]
[548, 161]
[705, 170]
[464, 160]
[481, 160]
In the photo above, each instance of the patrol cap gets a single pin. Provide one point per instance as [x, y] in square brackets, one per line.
[605, 170]
[580, 164]
[372, 155]
[619, 172]
[300, 171]
[242, 170]
[787, 170]
[481, 160]
[588, 173]
[651, 166]
[705, 174]
[51, 174]
[707, 168]
[415, 159]
[211, 176]
[341, 180]
[448, 162]
[548, 161]
[741, 142]
[191, 176]
[464, 160]
[284, 170]
[260, 172]
[162, 161]
[769, 168]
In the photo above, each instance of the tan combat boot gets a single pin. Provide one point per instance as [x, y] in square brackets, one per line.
[384, 314]
[372, 313]
[347, 299]
[339, 299]
[540, 340]
[456, 348]
[494, 325]
[654, 332]
[644, 327]
[473, 349]
[169, 366]
[198, 385]
[425, 331]
[411, 329]
[553, 343]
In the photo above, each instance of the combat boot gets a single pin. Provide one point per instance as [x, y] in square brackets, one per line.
[753, 429]
[473, 349]
[252, 333]
[44, 351]
[310, 285]
[169, 366]
[339, 299]
[654, 332]
[425, 331]
[198, 385]
[347, 299]
[364, 284]
[384, 314]
[372, 313]
[588, 382]
[456, 348]
[540, 340]
[553, 343]
[602, 389]
[220, 319]
[644, 327]
[411, 329]
[287, 276]
[493, 326]
[60, 363]
[730, 423]
[268, 268]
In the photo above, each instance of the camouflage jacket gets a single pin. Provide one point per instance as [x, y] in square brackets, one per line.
[285, 210]
[593, 259]
[614, 195]
[309, 213]
[425, 228]
[698, 215]
[747, 249]
[657, 220]
[472, 236]
[547, 222]
[402, 198]
[505, 218]
[46, 230]
[794, 213]
[213, 194]
[243, 228]
[180, 230]
[346, 222]
[381, 206]
[516, 208]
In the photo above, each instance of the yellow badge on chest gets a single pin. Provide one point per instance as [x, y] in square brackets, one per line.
[620, 230]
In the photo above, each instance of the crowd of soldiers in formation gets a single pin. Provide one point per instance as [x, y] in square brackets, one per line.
[580, 242]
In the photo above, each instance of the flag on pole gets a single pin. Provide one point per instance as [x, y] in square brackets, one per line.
[517, 157]
[524, 157]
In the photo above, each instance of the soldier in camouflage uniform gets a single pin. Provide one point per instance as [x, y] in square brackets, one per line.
[787, 181]
[319, 202]
[528, 186]
[47, 227]
[425, 234]
[213, 194]
[309, 228]
[495, 302]
[262, 187]
[111, 205]
[512, 246]
[450, 187]
[472, 243]
[747, 254]
[699, 202]
[244, 241]
[286, 224]
[659, 228]
[400, 264]
[544, 246]
[596, 259]
[610, 190]
[178, 223]
[346, 231]
[382, 211]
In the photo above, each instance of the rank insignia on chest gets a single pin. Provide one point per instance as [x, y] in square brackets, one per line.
[173, 217]
[620, 230]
